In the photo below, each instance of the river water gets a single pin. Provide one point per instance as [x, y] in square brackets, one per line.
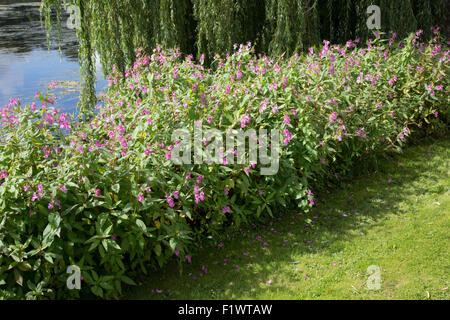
[26, 64]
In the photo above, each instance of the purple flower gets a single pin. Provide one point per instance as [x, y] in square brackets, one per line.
[333, 117]
[226, 209]
[35, 197]
[63, 188]
[170, 201]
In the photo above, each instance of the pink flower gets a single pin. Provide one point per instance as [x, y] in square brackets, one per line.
[141, 198]
[226, 210]
[269, 282]
[170, 202]
[189, 259]
[333, 117]
[63, 188]
[288, 137]
[274, 109]
[200, 179]
[177, 252]
[97, 192]
[245, 119]
[3, 174]
[220, 245]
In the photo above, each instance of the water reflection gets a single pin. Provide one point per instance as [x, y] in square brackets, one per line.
[26, 66]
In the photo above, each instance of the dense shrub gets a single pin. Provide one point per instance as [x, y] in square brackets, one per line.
[104, 195]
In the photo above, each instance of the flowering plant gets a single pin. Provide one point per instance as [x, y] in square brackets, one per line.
[105, 194]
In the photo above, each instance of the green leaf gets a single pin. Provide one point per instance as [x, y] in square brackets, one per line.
[141, 225]
[173, 244]
[128, 280]
[18, 277]
[158, 250]
[116, 188]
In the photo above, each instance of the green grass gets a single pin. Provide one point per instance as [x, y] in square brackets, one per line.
[402, 227]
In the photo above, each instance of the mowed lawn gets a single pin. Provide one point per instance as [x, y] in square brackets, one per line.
[396, 219]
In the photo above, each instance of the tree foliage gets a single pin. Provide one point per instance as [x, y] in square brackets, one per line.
[116, 28]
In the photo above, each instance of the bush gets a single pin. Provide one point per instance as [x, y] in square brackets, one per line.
[104, 194]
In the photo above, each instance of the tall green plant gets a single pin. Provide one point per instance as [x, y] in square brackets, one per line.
[116, 28]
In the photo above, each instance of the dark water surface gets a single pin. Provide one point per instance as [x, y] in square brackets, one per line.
[26, 64]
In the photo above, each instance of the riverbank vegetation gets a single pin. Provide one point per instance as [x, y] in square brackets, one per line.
[104, 195]
[115, 29]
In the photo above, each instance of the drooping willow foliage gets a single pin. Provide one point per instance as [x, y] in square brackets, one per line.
[116, 28]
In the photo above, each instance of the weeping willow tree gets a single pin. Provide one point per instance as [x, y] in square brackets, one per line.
[223, 23]
[114, 29]
[291, 25]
